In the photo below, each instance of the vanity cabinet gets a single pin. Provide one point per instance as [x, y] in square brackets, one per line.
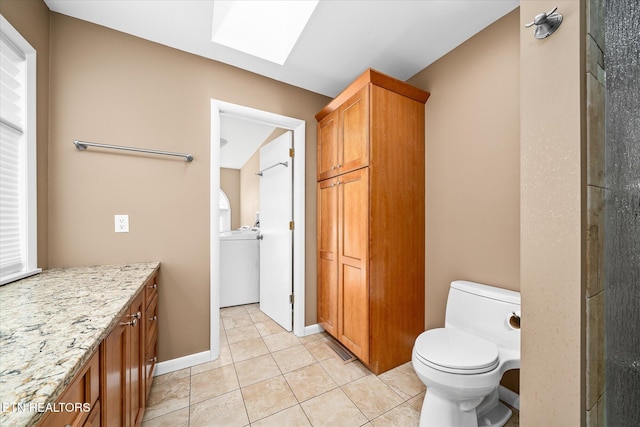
[122, 380]
[371, 219]
[79, 405]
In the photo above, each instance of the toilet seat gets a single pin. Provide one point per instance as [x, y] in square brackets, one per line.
[455, 351]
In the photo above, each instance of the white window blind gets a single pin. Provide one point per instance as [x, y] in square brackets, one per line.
[17, 156]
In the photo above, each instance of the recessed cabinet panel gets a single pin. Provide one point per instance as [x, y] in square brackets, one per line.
[355, 132]
[354, 327]
[328, 147]
[354, 214]
[328, 255]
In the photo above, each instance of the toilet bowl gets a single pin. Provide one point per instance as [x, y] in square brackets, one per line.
[462, 363]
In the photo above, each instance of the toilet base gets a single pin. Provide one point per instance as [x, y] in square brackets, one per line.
[440, 412]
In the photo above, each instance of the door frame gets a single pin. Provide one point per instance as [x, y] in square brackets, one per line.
[297, 126]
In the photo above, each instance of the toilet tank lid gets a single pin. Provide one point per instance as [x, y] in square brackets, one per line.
[487, 291]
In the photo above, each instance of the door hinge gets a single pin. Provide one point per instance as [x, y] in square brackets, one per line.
[292, 152]
[291, 299]
[292, 225]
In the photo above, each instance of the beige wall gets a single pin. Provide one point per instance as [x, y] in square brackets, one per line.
[553, 201]
[473, 165]
[250, 189]
[31, 19]
[113, 88]
[230, 184]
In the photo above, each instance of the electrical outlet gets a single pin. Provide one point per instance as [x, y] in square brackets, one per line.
[122, 223]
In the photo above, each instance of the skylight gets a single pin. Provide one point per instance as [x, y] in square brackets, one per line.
[262, 28]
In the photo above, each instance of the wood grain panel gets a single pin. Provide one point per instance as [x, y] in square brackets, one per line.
[327, 239]
[327, 151]
[353, 150]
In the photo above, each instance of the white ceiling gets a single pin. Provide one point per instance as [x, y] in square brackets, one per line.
[341, 40]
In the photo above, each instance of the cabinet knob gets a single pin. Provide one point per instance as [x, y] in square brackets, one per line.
[154, 286]
[137, 315]
[153, 319]
[133, 322]
[153, 360]
[339, 166]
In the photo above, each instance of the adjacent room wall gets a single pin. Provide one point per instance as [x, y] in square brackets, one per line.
[31, 19]
[114, 88]
[230, 184]
[473, 165]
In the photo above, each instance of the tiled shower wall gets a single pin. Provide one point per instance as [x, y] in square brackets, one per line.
[595, 295]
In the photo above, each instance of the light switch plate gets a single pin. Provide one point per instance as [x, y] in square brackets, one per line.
[122, 223]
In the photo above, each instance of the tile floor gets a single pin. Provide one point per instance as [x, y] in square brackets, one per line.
[266, 376]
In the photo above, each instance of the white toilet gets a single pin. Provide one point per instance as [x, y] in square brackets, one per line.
[462, 363]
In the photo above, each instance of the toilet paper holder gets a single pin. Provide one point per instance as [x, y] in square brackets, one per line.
[514, 320]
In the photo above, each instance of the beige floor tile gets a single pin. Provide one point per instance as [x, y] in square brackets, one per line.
[258, 316]
[333, 409]
[223, 339]
[223, 360]
[171, 376]
[232, 311]
[293, 358]
[213, 383]
[268, 327]
[372, 396]
[404, 381]
[251, 308]
[248, 349]
[291, 417]
[267, 397]
[225, 410]
[403, 415]
[237, 321]
[179, 418]
[242, 333]
[416, 402]
[319, 349]
[257, 369]
[313, 337]
[167, 397]
[309, 382]
[280, 341]
[343, 373]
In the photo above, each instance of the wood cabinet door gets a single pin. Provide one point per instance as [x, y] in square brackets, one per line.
[328, 255]
[136, 360]
[354, 132]
[353, 258]
[115, 375]
[328, 146]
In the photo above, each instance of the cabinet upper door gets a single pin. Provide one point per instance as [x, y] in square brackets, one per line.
[353, 152]
[328, 146]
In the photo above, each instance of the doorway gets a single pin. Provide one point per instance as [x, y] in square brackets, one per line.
[221, 109]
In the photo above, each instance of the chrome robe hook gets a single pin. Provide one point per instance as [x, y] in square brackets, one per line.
[546, 23]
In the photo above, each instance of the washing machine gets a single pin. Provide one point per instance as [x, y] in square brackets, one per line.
[239, 266]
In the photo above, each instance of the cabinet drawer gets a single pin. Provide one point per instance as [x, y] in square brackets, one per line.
[74, 406]
[151, 289]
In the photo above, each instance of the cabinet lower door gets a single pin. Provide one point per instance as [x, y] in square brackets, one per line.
[328, 255]
[136, 361]
[353, 248]
[115, 375]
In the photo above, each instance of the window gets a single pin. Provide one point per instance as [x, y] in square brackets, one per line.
[18, 234]
[225, 212]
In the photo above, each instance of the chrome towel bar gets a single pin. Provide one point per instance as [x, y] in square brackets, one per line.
[82, 145]
[285, 164]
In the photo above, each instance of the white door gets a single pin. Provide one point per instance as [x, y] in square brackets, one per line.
[276, 246]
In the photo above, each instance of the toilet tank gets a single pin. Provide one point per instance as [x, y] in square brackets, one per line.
[484, 311]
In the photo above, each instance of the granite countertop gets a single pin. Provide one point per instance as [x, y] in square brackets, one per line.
[50, 324]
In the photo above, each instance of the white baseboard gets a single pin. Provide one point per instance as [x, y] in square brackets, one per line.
[509, 397]
[181, 363]
[313, 329]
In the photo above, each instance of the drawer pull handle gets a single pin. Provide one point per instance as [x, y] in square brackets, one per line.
[133, 322]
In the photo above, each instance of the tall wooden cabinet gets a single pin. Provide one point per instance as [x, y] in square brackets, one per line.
[371, 215]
